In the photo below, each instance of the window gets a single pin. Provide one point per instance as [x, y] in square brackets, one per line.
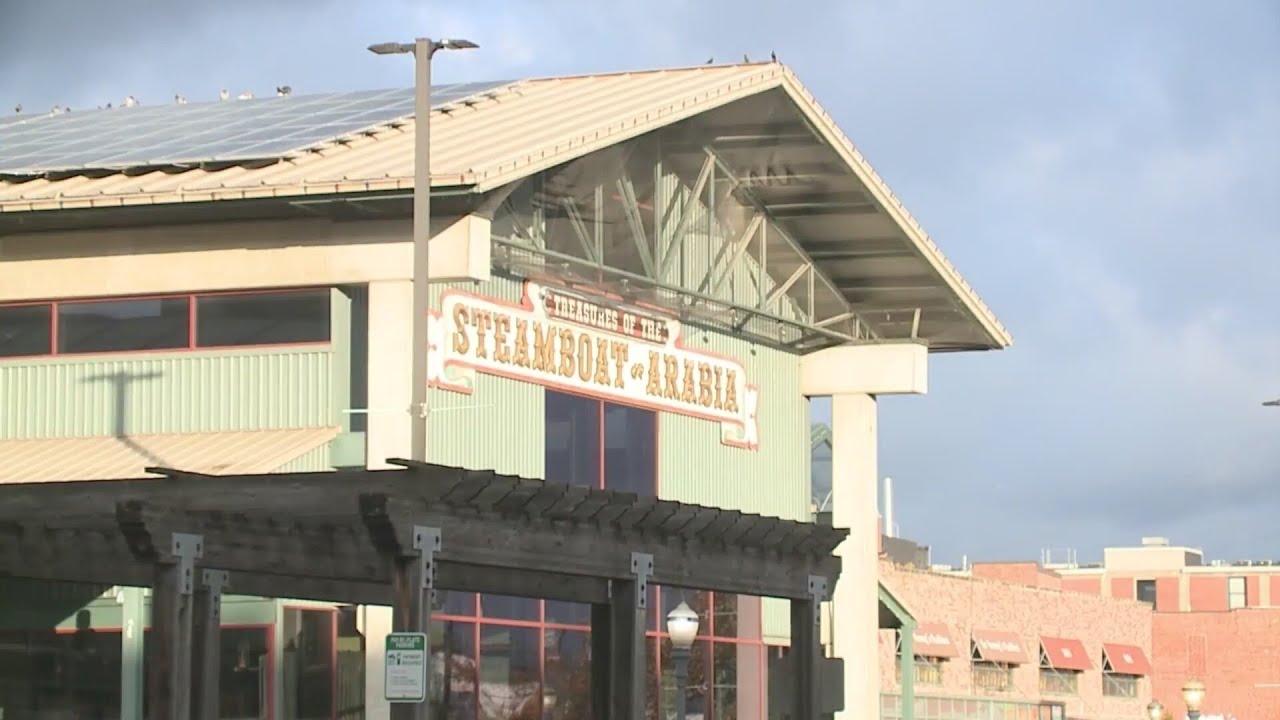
[992, 676]
[46, 673]
[928, 670]
[1057, 681]
[26, 330]
[245, 670]
[123, 325]
[309, 660]
[262, 318]
[182, 322]
[1145, 591]
[1237, 593]
[1116, 685]
[524, 658]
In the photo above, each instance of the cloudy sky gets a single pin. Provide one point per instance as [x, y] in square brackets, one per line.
[1106, 174]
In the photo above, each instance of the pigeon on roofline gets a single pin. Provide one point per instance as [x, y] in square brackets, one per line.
[17, 109]
[130, 101]
[224, 95]
[284, 91]
[179, 99]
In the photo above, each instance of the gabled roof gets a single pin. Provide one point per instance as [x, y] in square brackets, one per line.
[513, 131]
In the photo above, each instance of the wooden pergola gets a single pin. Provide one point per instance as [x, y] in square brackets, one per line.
[391, 537]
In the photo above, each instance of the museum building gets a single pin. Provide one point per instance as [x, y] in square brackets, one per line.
[639, 280]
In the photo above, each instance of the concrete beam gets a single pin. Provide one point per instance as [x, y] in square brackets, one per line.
[874, 369]
[236, 256]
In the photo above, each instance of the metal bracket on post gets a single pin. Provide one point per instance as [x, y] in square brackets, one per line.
[817, 591]
[187, 549]
[216, 581]
[426, 540]
[642, 568]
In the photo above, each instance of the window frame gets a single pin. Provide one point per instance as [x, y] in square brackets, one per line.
[192, 320]
[1242, 594]
[1155, 591]
[985, 669]
[1057, 681]
[1120, 685]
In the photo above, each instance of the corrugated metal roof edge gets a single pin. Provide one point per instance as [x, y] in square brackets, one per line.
[928, 249]
[771, 75]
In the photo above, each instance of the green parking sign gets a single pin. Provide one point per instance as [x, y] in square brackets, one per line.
[405, 665]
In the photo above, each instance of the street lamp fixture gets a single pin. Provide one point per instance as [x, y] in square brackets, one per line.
[1271, 403]
[1193, 696]
[682, 627]
[1155, 710]
[422, 49]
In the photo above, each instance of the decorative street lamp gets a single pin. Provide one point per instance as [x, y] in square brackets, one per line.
[1271, 403]
[1193, 695]
[682, 626]
[422, 49]
[1155, 710]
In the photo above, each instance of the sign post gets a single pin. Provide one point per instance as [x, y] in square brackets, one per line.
[405, 657]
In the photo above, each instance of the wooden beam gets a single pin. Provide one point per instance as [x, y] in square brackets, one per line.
[98, 555]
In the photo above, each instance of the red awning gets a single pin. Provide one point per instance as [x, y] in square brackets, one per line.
[999, 647]
[1065, 654]
[933, 640]
[1125, 659]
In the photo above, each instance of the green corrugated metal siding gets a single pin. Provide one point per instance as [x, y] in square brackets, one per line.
[315, 460]
[163, 393]
[694, 466]
[500, 425]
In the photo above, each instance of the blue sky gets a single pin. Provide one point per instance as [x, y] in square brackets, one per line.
[1105, 174]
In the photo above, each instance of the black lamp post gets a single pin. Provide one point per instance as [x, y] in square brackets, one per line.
[682, 627]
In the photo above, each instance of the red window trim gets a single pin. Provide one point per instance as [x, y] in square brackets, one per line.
[192, 316]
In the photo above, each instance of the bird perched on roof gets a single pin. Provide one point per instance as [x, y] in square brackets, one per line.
[711, 60]
[224, 95]
[130, 101]
[57, 110]
[745, 59]
[284, 91]
[773, 56]
[179, 99]
[17, 109]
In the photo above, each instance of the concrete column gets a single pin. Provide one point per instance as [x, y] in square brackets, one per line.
[390, 321]
[855, 627]
[375, 625]
[854, 376]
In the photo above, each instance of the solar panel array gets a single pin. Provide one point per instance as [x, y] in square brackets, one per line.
[220, 131]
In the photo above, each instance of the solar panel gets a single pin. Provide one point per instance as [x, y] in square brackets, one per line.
[227, 131]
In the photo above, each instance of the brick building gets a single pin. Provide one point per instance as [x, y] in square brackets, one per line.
[1217, 621]
[1010, 636]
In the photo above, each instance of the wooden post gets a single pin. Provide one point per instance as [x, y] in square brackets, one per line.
[601, 654]
[206, 645]
[806, 646]
[413, 581]
[169, 671]
[629, 604]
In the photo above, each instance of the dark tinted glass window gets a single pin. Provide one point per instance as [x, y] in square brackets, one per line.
[572, 439]
[26, 330]
[630, 436]
[1146, 591]
[266, 319]
[120, 325]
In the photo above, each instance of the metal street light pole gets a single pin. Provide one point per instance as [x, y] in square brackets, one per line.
[423, 49]
[682, 626]
[418, 616]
